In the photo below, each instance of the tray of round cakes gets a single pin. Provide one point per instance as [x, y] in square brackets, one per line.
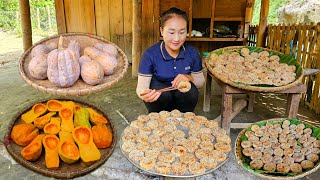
[254, 68]
[175, 144]
[279, 148]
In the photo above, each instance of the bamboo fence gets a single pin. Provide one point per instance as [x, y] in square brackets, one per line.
[303, 42]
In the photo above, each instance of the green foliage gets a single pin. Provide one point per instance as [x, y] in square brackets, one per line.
[10, 16]
[273, 11]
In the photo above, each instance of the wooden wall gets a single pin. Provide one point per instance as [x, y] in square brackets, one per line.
[111, 19]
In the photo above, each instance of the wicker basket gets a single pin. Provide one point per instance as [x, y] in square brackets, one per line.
[80, 87]
[65, 170]
[248, 87]
[239, 155]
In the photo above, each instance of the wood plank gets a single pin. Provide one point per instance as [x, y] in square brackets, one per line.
[315, 100]
[116, 23]
[102, 15]
[300, 39]
[80, 16]
[229, 18]
[147, 24]
[127, 30]
[201, 8]
[156, 27]
[60, 16]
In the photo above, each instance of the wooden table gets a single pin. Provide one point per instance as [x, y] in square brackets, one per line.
[229, 110]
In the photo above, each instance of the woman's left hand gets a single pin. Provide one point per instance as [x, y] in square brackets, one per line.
[179, 78]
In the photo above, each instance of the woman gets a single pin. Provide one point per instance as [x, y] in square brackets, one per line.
[167, 63]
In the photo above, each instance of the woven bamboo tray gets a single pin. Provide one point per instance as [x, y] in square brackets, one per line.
[79, 87]
[64, 170]
[248, 87]
[239, 155]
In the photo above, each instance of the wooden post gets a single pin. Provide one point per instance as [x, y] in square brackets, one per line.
[248, 19]
[49, 18]
[263, 23]
[207, 93]
[60, 16]
[25, 24]
[136, 36]
[212, 18]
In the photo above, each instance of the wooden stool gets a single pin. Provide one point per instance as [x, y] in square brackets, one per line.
[230, 110]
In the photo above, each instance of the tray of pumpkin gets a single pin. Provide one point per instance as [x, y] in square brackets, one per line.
[73, 64]
[61, 138]
[254, 68]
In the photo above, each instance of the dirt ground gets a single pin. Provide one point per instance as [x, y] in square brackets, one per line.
[16, 95]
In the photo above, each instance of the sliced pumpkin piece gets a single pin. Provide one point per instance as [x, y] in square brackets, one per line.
[81, 118]
[89, 153]
[50, 143]
[66, 115]
[53, 127]
[96, 118]
[33, 151]
[36, 111]
[23, 134]
[102, 136]
[67, 149]
[54, 105]
[40, 122]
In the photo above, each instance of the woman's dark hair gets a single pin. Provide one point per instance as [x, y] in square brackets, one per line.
[171, 12]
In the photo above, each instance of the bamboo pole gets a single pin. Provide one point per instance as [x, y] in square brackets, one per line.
[38, 19]
[263, 23]
[49, 18]
[25, 24]
[136, 36]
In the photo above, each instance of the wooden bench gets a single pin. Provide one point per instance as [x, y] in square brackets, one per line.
[229, 110]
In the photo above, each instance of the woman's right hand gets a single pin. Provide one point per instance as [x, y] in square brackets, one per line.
[150, 95]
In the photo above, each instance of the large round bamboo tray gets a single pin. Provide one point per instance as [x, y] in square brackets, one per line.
[249, 87]
[239, 155]
[64, 170]
[80, 87]
[152, 171]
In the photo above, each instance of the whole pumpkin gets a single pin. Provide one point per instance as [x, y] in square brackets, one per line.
[91, 71]
[63, 67]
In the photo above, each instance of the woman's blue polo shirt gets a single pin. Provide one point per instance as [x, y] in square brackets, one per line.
[158, 64]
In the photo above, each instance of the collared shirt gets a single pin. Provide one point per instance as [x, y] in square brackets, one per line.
[158, 64]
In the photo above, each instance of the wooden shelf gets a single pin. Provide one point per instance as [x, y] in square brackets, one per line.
[228, 18]
[211, 39]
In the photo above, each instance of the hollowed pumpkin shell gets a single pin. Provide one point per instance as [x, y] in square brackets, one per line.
[50, 143]
[36, 111]
[96, 118]
[88, 151]
[33, 151]
[40, 122]
[53, 127]
[54, 105]
[66, 116]
[68, 150]
[23, 134]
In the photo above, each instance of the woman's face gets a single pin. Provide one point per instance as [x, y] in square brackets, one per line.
[174, 33]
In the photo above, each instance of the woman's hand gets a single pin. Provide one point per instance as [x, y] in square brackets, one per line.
[179, 78]
[150, 95]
